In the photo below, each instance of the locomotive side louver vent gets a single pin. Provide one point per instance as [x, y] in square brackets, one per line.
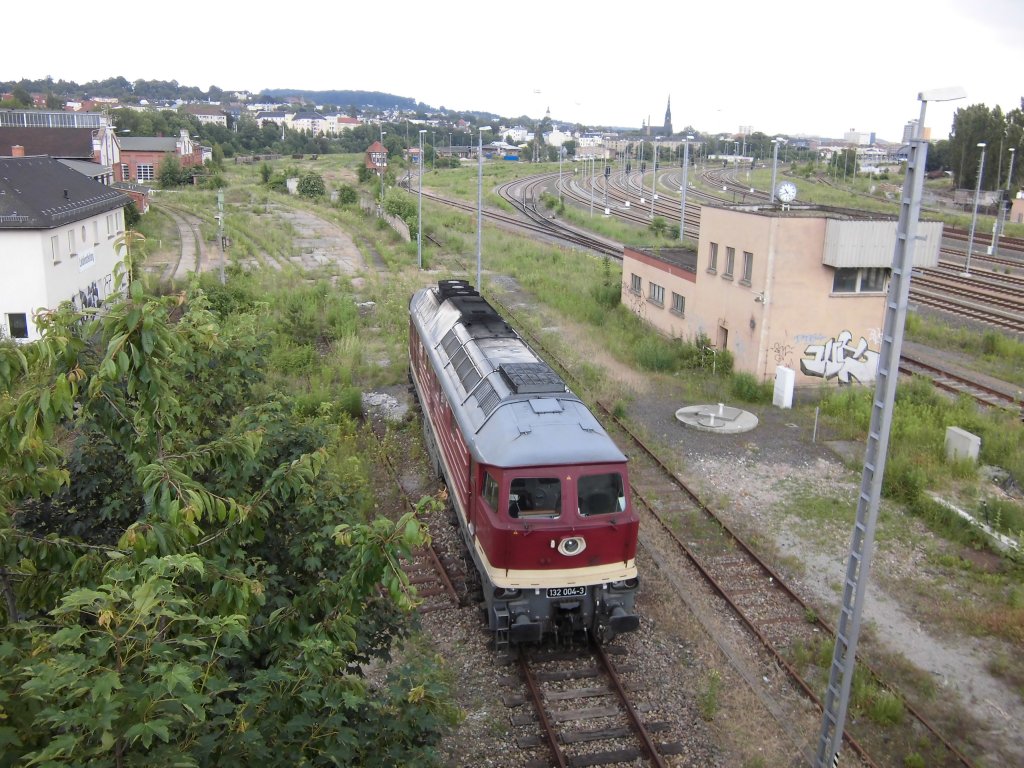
[532, 378]
[487, 398]
[466, 370]
[451, 344]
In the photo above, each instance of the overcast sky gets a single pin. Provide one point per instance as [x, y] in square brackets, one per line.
[803, 66]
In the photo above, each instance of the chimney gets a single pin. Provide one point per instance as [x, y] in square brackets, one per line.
[17, 151]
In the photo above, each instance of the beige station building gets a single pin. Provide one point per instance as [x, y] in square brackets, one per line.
[798, 286]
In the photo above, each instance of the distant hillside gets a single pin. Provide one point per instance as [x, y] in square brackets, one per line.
[374, 99]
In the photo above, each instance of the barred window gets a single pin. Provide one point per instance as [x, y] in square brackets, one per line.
[634, 284]
[712, 257]
[748, 267]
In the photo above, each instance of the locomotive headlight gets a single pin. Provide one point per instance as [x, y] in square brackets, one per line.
[572, 546]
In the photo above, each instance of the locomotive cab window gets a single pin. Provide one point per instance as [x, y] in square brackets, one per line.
[601, 494]
[490, 493]
[535, 497]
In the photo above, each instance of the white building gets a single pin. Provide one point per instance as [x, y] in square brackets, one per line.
[57, 234]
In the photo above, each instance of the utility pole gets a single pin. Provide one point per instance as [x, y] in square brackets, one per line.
[220, 231]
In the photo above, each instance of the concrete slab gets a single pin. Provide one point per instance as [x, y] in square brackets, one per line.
[718, 417]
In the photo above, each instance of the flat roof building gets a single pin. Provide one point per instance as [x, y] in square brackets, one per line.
[797, 286]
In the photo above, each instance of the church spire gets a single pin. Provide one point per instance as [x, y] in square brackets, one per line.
[668, 117]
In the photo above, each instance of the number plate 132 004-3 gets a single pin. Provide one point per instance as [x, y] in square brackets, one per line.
[566, 591]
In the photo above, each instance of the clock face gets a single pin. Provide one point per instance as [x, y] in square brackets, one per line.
[786, 191]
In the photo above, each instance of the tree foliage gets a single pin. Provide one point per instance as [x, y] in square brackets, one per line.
[975, 124]
[190, 572]
[311, 184]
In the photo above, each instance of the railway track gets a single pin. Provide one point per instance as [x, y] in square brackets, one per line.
[192, 253]
[433, 576]
[584, 712]
[679, 524]
[962, 384]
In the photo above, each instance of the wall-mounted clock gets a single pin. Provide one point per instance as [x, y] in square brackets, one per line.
[786, 192]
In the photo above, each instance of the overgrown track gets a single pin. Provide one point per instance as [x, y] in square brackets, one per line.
[962, 384]
[192, 253]
[427, 573]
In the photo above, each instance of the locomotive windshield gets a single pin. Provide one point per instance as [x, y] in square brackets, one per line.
[535, 497]
[601, 494]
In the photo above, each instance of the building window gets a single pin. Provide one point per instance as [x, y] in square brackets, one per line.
[96, 232]
[872, 279]
[748, 267]
[712, 257]
[18, 325]
[55, 248]
[730, 262]
[71, 242]
[656, 294]
[859, 280]
[678, 304]
[110, 225]
[144, 172]
[125, 173]
[634, 284]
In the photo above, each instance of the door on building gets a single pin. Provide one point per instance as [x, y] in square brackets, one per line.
[723, 337]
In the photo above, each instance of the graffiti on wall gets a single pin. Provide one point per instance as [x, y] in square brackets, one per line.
[92, 295]
[839, 359]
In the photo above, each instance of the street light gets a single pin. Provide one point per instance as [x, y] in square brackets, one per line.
[561, 151]
[775, 163]
[592, 159]
[844, 656]
[654, 178]
[383, 133]
[686, 170]
[419, 215]
[480, 202]
[999, 209]
[974, 216]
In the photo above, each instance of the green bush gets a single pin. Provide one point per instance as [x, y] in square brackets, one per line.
[746, 387]
[350, 400]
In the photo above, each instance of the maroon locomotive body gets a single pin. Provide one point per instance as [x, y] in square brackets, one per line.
[540, 490]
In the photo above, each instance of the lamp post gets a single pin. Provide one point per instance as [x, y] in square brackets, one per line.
[480, 202]
[844, 657]
[974, 215]
[561, 151]
[419, 214]
[383, 133]
[682, 193]
[775, 163]
[591, 159]
[999, 209]
[654, 177]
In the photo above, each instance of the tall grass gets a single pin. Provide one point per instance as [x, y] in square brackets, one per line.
[990, 351]
[916, 459]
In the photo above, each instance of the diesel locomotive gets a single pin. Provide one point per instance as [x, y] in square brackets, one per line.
[539, 489]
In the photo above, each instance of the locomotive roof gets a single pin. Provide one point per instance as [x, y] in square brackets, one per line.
[511, 406]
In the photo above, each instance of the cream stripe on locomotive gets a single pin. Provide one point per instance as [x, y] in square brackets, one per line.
[542, 579]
